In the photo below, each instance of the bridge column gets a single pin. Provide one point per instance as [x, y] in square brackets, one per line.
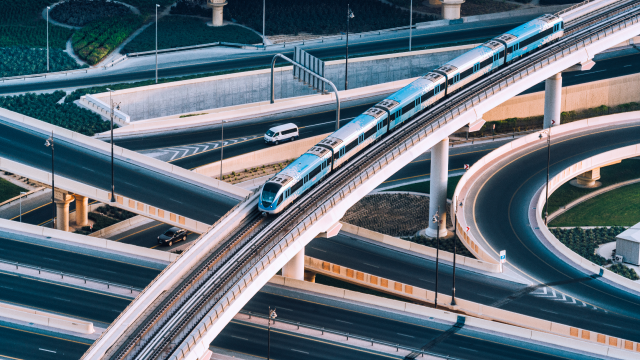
[587, 179]
[451, 9]
[438, 187]
[294, 269]
[82, 210]
[216, 6]
[552, 100]
[62, 212]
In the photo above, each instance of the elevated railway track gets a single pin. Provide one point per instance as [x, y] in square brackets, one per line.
[196, 307]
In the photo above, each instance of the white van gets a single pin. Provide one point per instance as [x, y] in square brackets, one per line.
[281, 133]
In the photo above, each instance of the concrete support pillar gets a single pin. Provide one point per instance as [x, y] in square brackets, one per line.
[438, 188]
[217, 6]
[552, 100]
[451, 9]
[62, 212]
[587, 179]
[294, 269]
[82, 210]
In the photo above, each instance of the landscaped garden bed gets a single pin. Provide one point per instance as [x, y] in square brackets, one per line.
[99, 38]
[82, 12]
[22, 61]
[44, 107]
[21, 24]
[177, 31]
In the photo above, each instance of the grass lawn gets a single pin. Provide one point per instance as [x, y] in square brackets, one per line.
[627, 170]
[620, 207]
[9, 190]
[423, 187]
[176, 31]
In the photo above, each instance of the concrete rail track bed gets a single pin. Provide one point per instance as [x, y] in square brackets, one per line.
[263, 243]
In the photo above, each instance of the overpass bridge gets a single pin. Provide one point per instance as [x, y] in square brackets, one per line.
[179, 314]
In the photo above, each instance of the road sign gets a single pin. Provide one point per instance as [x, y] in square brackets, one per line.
[503, 258]
[467, 229]
[466, 166]
[553, 122]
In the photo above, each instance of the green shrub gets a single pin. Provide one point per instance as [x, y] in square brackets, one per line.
[9, 190]
[96, 40]
[148, 7]
[188, 7]
[67, 115]
[82, 12]
[624, 271]
[319, 16]
[177, 31]
[21, 24]
[22, 61]
[114, 212]
[584, 242]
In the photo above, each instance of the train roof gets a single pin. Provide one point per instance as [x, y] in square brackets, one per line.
[418, 86]
[354, 127]
[469, 58]
[536, 25]
[299, 165]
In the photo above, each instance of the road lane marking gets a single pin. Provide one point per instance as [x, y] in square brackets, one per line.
[342, 321]
[317, 249]
[300, 351]
[67, 300]
[464, 348]
[51, 351]
[589, 73]
[372, 265]
[401, 334]
[241, 338]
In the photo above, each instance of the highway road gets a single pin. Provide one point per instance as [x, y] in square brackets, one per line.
[407, 267]
[323, 122]
[434, 336]
[17, 343]
[497, 207]
[242, 59]
[14, 248]
[91, 166]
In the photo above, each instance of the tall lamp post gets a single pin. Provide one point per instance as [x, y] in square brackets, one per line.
[436, 220]
[410, 22]
[21, 194]
[455, 249]
[157, 6]
[221, 149]
[346, 59]
[113, 185]
[264, 11]
[546, 203]
[272, 316]
[48, 8]
[49, 143]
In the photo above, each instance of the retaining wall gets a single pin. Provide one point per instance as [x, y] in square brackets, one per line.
[254, 86]
[46, 319]
[609, 92]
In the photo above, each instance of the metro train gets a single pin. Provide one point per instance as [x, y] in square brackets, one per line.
[336, 149]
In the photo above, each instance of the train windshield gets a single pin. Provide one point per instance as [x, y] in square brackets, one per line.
[269, 192]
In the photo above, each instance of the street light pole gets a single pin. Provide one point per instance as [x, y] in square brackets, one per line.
[455, 249]
[410, 22]
[21, 194]
[48, 7]
[157, 6]
[436, 219]
[221, 150]
[264, 11]
[546, 203]
[113, 186]
[346, 60]
[49, 143]
[272, 315]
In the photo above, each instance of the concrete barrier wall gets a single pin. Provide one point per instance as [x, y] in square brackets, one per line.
[609, 92]
[132, 156]
[121, 226]
[254, 86]
[87, 240]
[46, 319]
[104, 109]
[563, 177]
[467, 180]
[269, 155]
[421, 249]
[487, 318]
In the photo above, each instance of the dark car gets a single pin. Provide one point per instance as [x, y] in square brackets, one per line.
[173, 235]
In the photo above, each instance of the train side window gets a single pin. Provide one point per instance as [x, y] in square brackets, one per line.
[280, 199]
[296, 186]
[436, 89]
[476, 67]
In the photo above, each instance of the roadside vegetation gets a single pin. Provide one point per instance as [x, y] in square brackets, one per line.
[44, 107]
[617, 207]
[178, 31]
[9, 190]
[99, 38]
[511, 125]
[21, 24]
[584, 242]
[82, 12]
[103, 217]
[292, 17]
[23, 61]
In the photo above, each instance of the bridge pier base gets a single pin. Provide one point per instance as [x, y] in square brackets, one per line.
[294, 269]
[587, 179]
[82, 210]
[552, 101]
[438, 188]
[62, 212]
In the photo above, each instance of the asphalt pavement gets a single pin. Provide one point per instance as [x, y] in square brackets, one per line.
[497, 208]
[34, 344]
